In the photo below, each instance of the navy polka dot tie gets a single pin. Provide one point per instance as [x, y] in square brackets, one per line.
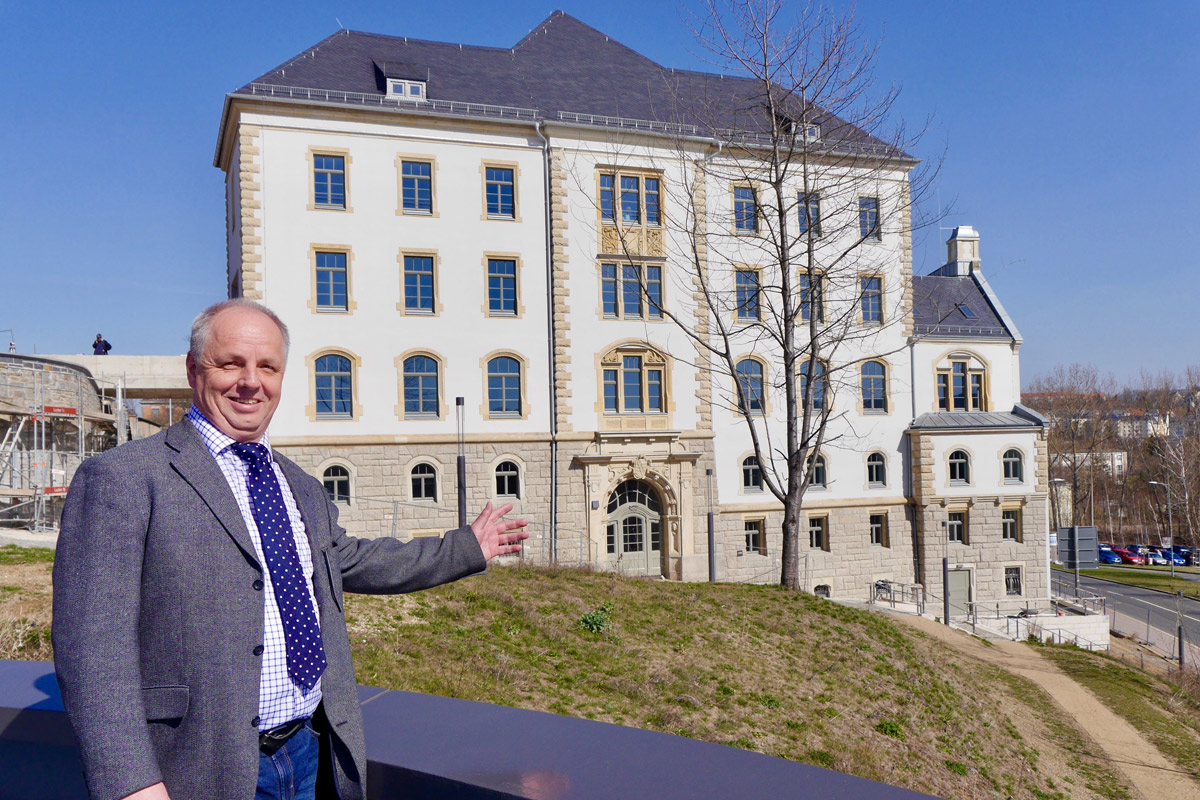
[301, 633]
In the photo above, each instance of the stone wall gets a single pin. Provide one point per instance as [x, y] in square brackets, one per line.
[847, 567]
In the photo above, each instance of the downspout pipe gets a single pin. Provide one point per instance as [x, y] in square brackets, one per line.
[537, 129]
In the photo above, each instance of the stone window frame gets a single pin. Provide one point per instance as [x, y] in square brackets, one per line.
[885, 538]
[965, 539]
[736, 317]
[485, 403]
[409, 467]
[867, 470]
[860, 295]
[822, 279]
[310, 368]
[1020, 461]
[640, 263]
[424, 158]
[748, 490]
[1020, 573]
[487, 275]
[344, 249]
[489, 163]
[347, 465]
[866, 233]
[441, 384]
[887, 389]
[336, 152]
[755, 192]
[611, 356]
[823, 518]
[1020, 523]
[824, 467]
[641, 173]
[804, 202]
[943, 367]
[950, 460]
[437, 291]
[760, 522]
[520, 473]
[734, 405]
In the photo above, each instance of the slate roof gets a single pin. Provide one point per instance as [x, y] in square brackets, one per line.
[562, 68]
[936, 302]
[1019, 417]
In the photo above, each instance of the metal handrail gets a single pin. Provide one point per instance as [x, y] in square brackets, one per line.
[396, 103]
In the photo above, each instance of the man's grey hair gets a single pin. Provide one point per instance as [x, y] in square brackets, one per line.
[202, 325]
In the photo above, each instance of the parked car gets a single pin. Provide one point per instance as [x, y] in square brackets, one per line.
[1187, 554]
[1154, 558]
[1108, 556]
[1129, 557]
[1179, 560]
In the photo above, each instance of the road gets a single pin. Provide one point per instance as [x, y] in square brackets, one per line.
[1136, 602]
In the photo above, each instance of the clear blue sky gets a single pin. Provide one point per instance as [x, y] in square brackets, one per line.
[1072, 139]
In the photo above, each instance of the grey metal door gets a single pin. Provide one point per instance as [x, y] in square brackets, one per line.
[960, 592]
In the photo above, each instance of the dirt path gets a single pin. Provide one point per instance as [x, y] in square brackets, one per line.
[1151, 774]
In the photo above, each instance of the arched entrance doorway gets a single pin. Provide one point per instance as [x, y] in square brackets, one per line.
[633, 529]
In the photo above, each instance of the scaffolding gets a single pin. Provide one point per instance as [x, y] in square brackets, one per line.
[53, 415]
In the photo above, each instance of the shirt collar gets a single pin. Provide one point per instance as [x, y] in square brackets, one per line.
[214, 439]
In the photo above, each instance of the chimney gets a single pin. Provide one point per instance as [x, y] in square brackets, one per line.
[962, 251]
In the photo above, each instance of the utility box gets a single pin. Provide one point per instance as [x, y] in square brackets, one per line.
[1081, 539]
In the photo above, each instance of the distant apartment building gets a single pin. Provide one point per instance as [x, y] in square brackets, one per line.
[1137, 423]
[438, 220]
[1114, 462]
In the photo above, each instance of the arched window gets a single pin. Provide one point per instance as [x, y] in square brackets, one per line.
[819, 478]
[751, 474]
[424, 482]
[504, 387]
[874, 387]
[335, 391]
[420, 386]
[337, 483]
[876, 470]
[962, 383]
[960, 467]
[819, 386]
[750, 376]
[508, 480]
[1014, 467]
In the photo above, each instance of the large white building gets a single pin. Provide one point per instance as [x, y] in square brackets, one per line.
[437, 221]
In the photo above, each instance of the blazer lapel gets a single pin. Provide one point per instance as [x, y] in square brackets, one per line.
[199, 469]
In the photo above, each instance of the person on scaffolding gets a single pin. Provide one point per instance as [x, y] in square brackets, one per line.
[100, 347]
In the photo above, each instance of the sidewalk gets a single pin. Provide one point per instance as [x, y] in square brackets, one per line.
[24, 538]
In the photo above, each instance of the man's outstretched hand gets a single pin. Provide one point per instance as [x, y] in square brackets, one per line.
[498, 536]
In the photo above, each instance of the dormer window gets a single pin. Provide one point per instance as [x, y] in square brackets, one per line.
[966, 312]
[405, 89]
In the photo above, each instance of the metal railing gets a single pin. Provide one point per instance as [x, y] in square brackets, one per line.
[892, 594]
[1166, 642]
[394, 103]
[1063, 590]
[1034, 627]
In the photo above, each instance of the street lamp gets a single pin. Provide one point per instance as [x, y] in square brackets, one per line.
[1170, 527]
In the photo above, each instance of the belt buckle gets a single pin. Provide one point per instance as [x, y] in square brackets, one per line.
[270, 741]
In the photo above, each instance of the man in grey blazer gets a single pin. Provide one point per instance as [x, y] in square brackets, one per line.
[199, 635]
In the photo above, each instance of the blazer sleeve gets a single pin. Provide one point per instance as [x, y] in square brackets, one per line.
[389, 566]
[97, 600]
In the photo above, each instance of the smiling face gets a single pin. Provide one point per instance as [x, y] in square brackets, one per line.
[236, 382]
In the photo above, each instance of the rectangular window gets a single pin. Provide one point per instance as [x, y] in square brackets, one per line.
[818, 533]
[418, 284]
[961, 388]
[610, 390]
[502, 287]
[868, 218]
[977, 391]
[748, 297]
[872, 300]
[956, 527]
[958, 374]
[608, 290]
[417, 186]
[501, 192]
[654, 291]
[810, 298]
[1012, 580]
[329, 181]
[631, 383]
[631, 201]
[1010, 519]
[606, 198]
[653, 202]
[331, 281]
[631, 290]
[756, 536]
[622, 291]
[943, 391]
[879, 531]
[654, 390]
[810, 214]
[745, 210]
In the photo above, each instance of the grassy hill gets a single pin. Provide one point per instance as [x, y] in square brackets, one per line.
[756, 667]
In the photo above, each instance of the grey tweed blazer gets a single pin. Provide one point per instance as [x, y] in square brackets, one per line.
[157, 611]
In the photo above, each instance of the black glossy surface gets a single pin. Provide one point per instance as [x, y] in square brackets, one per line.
[420, 746]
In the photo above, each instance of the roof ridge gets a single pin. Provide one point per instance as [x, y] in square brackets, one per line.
[560, 14]
[425, 41]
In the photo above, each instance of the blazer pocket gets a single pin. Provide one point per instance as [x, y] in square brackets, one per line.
[165, 702]
[335, 580]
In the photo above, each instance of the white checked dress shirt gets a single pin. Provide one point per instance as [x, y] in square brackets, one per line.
[279, 699]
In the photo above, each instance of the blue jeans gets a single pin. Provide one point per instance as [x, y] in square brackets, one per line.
[290, 773]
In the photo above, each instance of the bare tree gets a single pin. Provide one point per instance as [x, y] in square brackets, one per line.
[792, 272]
[1076, 399]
